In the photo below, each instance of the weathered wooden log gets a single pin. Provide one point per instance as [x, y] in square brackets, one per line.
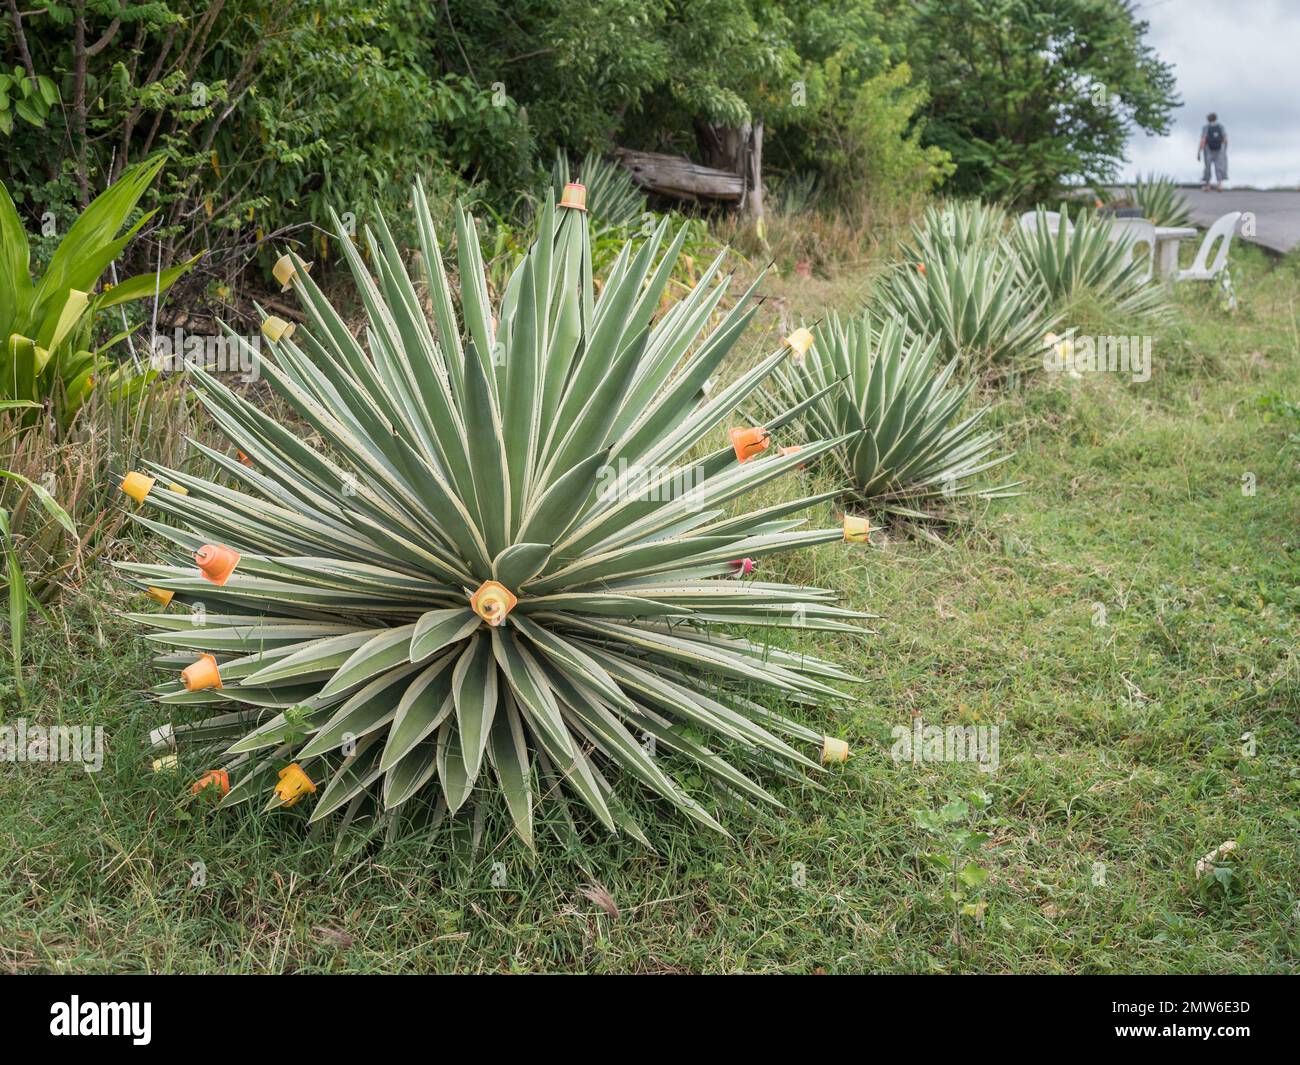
[678, 177]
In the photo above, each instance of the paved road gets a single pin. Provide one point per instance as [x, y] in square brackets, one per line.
[1277, 214]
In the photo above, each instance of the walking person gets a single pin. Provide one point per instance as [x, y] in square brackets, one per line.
[1213, 149]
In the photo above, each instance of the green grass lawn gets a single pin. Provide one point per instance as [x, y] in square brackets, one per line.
[1126, 622]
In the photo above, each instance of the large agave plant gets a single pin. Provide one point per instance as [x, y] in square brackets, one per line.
[910, 453]
[1161, 202]
[1080, 258]
[613, 198]
[973, 301]
[492, 556]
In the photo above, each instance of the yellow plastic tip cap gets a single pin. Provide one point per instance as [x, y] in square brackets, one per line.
[834, 750]
[799, 342]
[277, 329]
[294, 784]
[575, 196]
[179, 489]
[166, 763]
[286, 272]
[137, 485]
[856, 530]
[161, 595]
[492, 602]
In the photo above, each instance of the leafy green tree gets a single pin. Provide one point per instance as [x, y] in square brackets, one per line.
[694, 77]
[1026, 93]
[562, 73]
[269, 113]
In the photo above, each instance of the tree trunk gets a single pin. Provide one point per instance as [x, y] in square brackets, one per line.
[739, 150]
[754, 173]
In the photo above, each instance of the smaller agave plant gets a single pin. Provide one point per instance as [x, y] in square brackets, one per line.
[1161, 202]
[912, 454]
[1081, 258]
[961, 224]
[973, 301]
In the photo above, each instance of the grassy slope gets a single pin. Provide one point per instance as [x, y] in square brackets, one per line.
[1121, 744]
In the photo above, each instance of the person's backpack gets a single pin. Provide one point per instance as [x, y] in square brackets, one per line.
[1214, 137]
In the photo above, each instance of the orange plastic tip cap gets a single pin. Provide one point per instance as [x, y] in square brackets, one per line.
[799, 342]
[216, 562]
[161, 595]
[834, 750]
[749, 442]
[137, 485]
[244, 458]
[202, 675]
[294, 784]
[277, 329]
[285, 271]
[856, 530]
[575, 196]
[793, 449]
[213, 778]
[492, 602]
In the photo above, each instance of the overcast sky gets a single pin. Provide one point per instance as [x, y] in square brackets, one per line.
[1240, 59]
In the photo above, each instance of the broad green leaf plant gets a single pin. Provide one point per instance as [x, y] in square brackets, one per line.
[910, 450]
[494, 561]
[25, 97]
[48, 325]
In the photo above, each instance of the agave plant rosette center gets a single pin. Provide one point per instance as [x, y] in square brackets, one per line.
[491, 557]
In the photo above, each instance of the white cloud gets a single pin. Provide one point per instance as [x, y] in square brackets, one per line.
[1238, 59]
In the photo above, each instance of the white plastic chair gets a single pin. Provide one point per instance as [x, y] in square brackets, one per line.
[1137, 231]
[1223, 229]
[1029, 221]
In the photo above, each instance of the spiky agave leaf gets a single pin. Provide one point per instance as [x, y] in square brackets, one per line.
[551, 445]
[911, 453]
[973, 300]
[1081, 258]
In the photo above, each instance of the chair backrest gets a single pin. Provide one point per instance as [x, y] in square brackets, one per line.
[1223, 229]
[1029, 221]
[1138, 232]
